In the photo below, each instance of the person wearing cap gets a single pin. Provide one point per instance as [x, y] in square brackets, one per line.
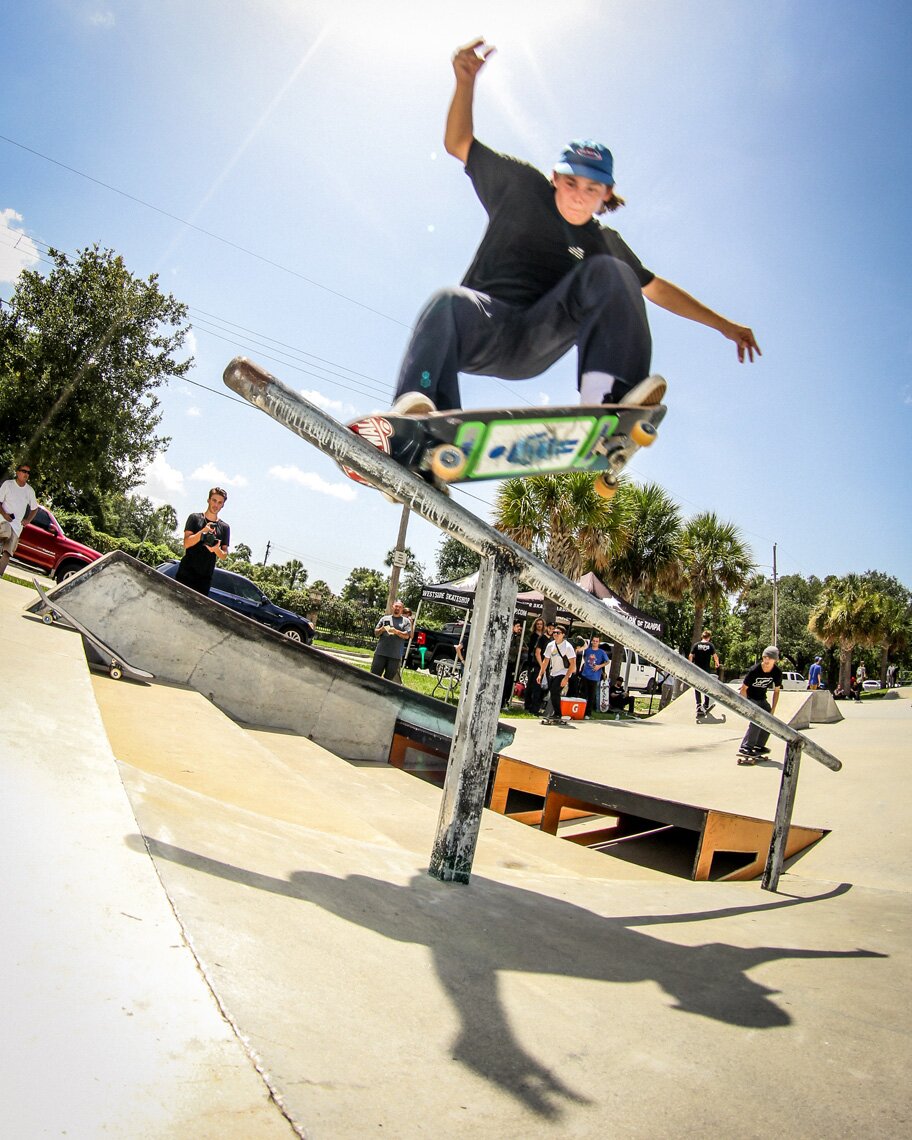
[546, 276]
[762, 678]
[703, 654]
[814, 674]
[18, 506]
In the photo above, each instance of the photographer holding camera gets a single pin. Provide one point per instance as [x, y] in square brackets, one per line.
[206, 538]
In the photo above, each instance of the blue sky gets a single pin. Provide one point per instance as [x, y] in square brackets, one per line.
[762, 149]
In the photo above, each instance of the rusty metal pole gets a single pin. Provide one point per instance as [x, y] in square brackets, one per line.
[476, 721]
[788, 786]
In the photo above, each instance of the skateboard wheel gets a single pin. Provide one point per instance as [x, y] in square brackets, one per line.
[48, 619]
[447, 462]
[115, 673]
[643, 433]
[605, 487]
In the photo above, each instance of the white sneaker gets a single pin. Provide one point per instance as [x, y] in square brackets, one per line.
[647, 393]
[412, 404]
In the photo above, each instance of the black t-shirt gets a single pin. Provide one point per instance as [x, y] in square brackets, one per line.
[528, 245]
[199, 559]
[760, 683]
[703, 653]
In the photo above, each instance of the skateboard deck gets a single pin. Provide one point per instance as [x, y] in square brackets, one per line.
[114, 662]
[505, 443]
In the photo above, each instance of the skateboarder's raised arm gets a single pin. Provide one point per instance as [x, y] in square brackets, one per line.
[460, 127]
[672, 297]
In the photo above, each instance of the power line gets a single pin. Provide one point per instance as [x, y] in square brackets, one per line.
[207, 233]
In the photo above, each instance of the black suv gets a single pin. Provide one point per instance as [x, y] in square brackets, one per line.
[245, 597]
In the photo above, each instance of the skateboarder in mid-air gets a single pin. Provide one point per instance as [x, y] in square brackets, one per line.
[546, 276]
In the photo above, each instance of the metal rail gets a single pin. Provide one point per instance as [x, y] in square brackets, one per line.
[287, 407]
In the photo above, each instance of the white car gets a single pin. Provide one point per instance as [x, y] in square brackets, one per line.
[871, 684]
[793, 682]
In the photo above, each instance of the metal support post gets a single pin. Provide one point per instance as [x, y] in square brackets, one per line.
[788, 786]
[476, 720]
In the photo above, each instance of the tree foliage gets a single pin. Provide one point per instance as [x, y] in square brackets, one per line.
[82, 351]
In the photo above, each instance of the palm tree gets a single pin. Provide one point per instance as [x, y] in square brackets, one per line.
[715, 562]
[892, 628]
[562, 520]
[647, 549]
[845, 616]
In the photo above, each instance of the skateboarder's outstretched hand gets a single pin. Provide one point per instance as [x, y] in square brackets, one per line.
[470, 59]
[744, 339]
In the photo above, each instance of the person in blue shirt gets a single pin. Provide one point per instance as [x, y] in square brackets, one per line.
[592, 673]
[814, 674]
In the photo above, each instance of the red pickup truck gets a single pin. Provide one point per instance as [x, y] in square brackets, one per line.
[44, 546]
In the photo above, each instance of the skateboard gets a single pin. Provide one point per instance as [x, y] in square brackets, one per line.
[116, 665]
[505, 443]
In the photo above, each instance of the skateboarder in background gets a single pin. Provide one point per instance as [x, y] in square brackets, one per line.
[546, 276]
[760, 679]
[704, 655]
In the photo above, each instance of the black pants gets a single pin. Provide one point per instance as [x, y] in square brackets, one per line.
[597, 306]
[755, 737]
[383, 666]
[590, 690]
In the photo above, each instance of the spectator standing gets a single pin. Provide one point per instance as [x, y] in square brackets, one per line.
[538, 641]
[705, 657]
[592, 672]
[559, 663]
[760, 679]
[18, 506]
[393, 629]
[814, 674]
[513, 656]
[206, 538]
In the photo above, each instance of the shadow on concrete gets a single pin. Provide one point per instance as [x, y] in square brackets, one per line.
[477, 931]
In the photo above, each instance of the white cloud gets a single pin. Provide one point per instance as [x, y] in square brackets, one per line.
[101, 18]
[338, 407]
[194, 412]
[17, 250]
[213, 475]
[344, 491]
[543, 399]
[162, 482]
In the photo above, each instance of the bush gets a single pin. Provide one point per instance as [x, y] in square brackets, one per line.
[80, 528]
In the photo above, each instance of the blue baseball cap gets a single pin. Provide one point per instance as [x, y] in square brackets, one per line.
[587, 159]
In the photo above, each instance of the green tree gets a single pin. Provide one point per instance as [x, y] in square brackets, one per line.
[892, 628]
[647, 548]
[845, 616]
[366, 588]
[715, 562]
[82, 351]
[455, 560]
[562, 520]
[797, 597]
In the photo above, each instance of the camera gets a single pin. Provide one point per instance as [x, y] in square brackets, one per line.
[207, 538]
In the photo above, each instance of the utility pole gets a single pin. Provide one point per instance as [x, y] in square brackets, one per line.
[775, 600]
[266, 555]
[398, 560]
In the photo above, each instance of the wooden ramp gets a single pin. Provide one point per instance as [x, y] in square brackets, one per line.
[704, 843]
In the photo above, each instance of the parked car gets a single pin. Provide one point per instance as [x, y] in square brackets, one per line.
[245, 597]
[438, 645]
[793, 682]
[43, 545]
[871, 684]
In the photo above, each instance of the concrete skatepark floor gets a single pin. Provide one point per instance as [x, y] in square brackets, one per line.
[225, 931]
